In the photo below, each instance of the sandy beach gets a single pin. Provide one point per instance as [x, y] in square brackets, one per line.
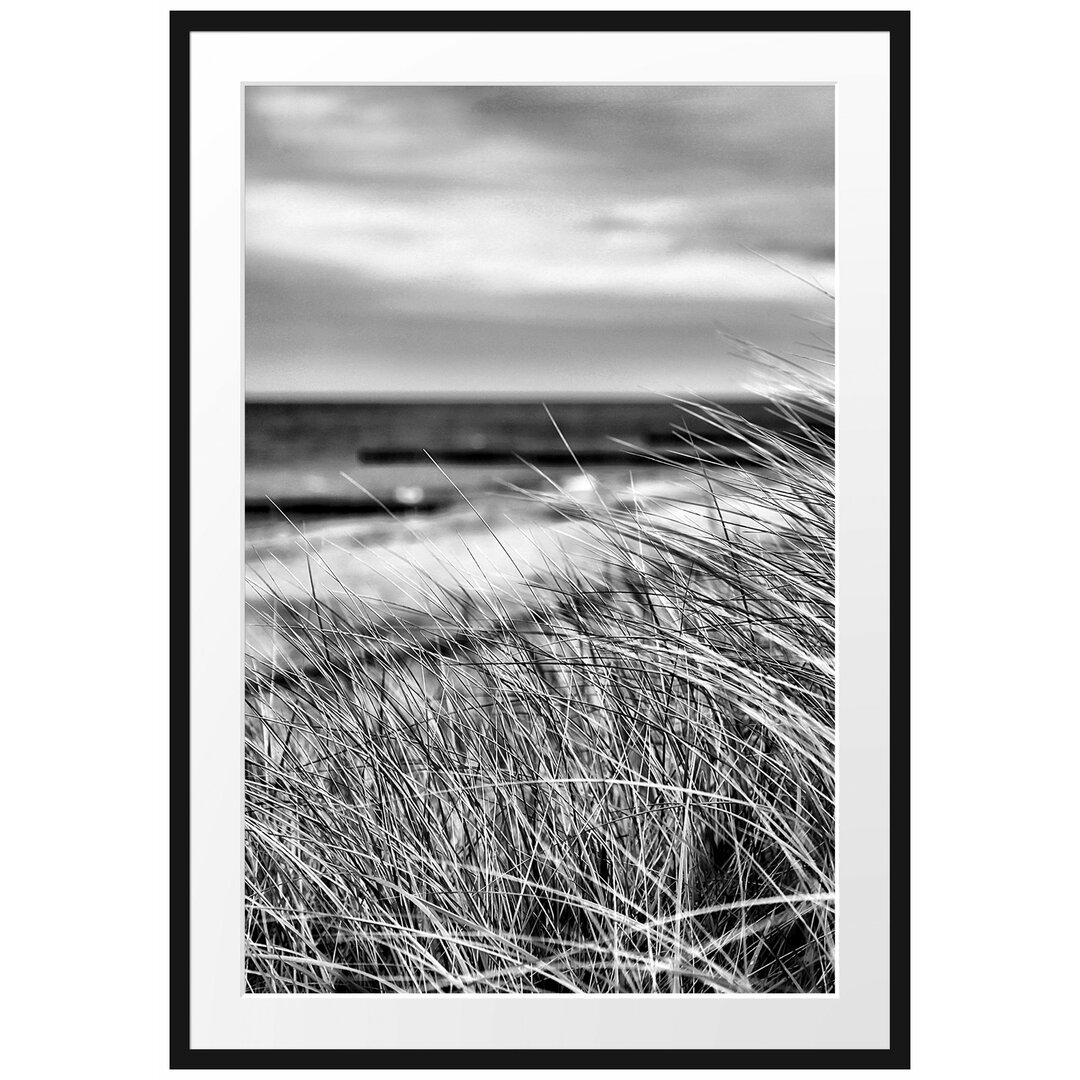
[491, 551]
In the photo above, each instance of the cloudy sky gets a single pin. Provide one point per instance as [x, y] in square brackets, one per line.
[529, 240]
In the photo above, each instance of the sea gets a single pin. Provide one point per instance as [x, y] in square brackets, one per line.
[318, 459]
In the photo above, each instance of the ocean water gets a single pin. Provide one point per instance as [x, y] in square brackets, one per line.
[317, 459]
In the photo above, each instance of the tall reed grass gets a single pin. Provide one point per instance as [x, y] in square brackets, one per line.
[616, 778]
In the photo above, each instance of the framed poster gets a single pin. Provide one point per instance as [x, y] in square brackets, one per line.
[540, 502]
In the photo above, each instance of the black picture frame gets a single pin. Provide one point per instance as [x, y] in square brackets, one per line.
[894, 23]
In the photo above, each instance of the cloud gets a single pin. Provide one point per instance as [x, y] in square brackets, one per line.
[513, 245]
[322, 331]
[587, 206]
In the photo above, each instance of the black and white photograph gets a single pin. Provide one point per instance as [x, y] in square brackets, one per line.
[514, 559]
[539, 539]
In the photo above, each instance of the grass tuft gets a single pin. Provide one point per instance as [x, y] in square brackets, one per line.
[613, 777]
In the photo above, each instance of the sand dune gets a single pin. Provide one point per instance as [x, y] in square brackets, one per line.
[491, 553]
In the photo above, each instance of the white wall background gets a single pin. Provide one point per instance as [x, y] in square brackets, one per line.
[84, 460]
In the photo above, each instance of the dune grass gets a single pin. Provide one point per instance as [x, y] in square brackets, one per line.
[618, 779]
